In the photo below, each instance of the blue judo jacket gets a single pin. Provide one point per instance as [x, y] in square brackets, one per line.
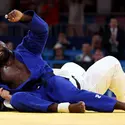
[30, 50]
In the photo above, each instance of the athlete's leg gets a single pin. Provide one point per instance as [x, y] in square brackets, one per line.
[118, 82]
[106, 74]
[74, 69]
[30, 102]
[62, 90]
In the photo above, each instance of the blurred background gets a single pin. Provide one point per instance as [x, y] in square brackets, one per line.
[82, 31]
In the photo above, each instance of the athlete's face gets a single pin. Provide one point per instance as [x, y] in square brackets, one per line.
[4, 54]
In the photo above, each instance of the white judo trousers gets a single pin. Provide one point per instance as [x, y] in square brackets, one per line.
[105, 74]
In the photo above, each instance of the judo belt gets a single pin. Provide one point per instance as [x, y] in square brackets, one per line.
[77, 83]
[50, 74]
[45, 77]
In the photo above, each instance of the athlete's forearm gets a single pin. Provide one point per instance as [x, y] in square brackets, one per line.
[26, 18]
[16, 15]
[37, 24]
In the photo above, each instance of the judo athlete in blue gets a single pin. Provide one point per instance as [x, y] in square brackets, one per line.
[28, 82]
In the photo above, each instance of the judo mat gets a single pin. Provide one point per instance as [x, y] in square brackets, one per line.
[89, 118]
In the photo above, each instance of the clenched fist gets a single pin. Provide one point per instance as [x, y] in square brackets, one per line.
[5, 94]
[14, 16]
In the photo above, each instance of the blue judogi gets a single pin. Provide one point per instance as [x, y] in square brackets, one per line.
[34, 96]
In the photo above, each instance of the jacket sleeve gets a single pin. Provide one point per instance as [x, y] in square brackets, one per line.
[37, 35]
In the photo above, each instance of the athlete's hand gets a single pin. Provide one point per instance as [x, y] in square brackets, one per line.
[14, 16]
[5, 94]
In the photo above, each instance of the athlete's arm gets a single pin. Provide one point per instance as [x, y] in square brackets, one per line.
[37, 36]
[3, 96]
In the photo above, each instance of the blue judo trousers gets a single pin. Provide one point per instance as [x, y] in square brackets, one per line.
[43, 88]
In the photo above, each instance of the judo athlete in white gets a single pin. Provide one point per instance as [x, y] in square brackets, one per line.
[105, 74]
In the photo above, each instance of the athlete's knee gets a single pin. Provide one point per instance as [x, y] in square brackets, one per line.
[113, 60]
[17, 100]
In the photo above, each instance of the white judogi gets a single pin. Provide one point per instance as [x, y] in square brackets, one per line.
[70, 70]
[105, 74]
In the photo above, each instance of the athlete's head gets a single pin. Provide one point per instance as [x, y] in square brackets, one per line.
[5, 54]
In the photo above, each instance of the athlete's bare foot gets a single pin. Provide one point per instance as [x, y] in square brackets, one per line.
[77, 107]
[73, 108]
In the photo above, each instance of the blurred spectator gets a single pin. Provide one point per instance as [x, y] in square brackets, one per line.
[10, 45]
[63, 41]
[97, 43]
[3, 29]
[49, 11]
[98, 55]
[59, 52]
[85, 59]
[114, 39]
[76, 16]
[86, 56]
